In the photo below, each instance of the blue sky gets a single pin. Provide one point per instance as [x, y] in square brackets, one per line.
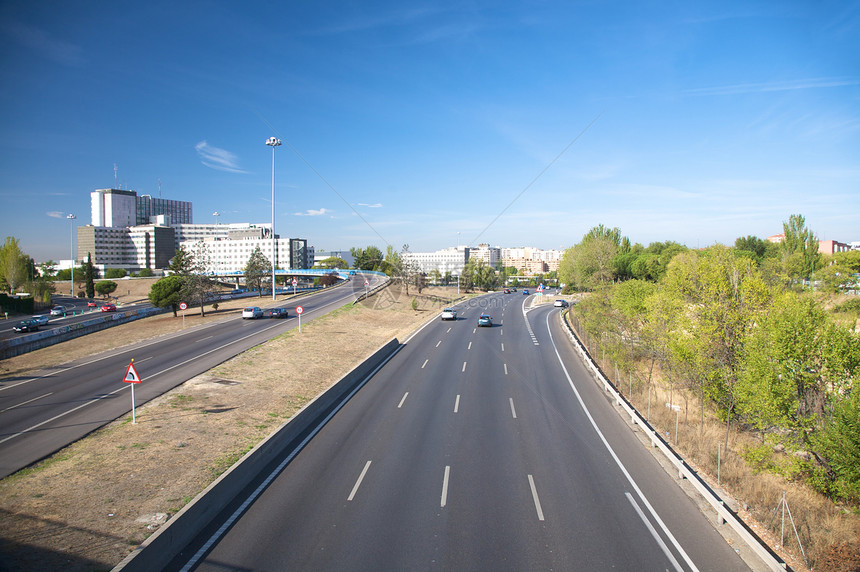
[408, 123]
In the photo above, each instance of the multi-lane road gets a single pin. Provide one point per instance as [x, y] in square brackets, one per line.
[44, 412]
[472, 448]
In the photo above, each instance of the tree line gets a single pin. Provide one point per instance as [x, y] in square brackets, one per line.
[742, 330]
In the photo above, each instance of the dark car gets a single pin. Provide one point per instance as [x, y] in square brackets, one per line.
[485, 321]
[279, 313]
[26, 326]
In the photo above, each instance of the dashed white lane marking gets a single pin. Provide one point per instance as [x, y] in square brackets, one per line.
[445, 485]
[358, 482]
[425, 363]
[535, 497]
[457, 404]
[399, 405]
[513, 411]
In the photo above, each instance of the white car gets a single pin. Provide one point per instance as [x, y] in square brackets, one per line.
[41, 319]
[252, 313]
[58, 310]
[449, 314]
[560, 304]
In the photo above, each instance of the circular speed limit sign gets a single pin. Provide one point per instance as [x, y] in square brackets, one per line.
[299, 310]
[182, 305]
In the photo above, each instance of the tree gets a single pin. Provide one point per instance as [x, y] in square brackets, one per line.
[89, 275]
[146, 273]
[116, 273]
[167, 292]
[198, 287]
[182, 262]
[13, 265]
[589, 264]
[332, 262]
[48, 269]
[255, 270]
[393, 264]
[366, 258]
[327, 280]
[105, 287]
[799, 249]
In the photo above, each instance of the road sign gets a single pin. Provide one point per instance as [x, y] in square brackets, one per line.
[131, 375]
[366, 282]
[295, 281]
[299, 310]
[182, 305]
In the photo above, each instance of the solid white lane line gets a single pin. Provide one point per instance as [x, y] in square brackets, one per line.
[358, 482]
[457, 404]
[535, 497]
[513, 411]
[653, 532]
[437, 343]
[618, 462]
[28, 401]
[399, 405]
[464, 366]
[445, 485]
[425, 363]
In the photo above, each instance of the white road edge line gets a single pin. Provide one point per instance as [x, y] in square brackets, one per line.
[445, 486]
[653, 532]
[358, 482]
[535, 497]
[399, 405]
[618, 462]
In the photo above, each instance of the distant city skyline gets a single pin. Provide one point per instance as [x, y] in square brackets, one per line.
[431, 124]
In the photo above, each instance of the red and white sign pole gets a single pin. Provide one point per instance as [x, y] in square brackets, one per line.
[131, 377]
[299, 311]
[294, 286]
[182, 306]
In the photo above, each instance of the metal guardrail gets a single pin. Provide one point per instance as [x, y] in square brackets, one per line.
[726, 515]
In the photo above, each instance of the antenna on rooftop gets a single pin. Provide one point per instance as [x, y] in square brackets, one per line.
[114, 177]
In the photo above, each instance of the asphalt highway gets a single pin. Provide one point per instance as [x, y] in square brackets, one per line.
[43, 413]
[473, 448]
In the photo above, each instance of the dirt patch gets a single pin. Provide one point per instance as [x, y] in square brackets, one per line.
[92, 503]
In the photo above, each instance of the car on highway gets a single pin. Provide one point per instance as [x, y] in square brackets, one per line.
[41, 319]
[252, 313]
[26, 326]
[92, 304]
[58, 311]
[525, 292]
[485, 321]
[560, 304]
[449, 314]
[279, 313]
[108, 307]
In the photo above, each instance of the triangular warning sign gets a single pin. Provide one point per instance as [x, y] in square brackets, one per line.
[131, 375]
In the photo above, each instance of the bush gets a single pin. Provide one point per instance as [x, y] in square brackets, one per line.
[146, 273]
[115, 273]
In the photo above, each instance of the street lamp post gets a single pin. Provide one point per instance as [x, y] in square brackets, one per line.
[71, 218]
[273, 142]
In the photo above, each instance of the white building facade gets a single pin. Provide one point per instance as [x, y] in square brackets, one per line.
[451, 260]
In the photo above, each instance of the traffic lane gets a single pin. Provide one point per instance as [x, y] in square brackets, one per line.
[680, 516]
[483, 513]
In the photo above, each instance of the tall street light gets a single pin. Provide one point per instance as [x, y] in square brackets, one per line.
[71, 218]
[273, 142]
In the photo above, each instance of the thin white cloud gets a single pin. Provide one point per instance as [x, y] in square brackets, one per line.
[47, 46]
[791, 85]
[56, 214]
[314, 212]
[218, 159]
[373, 206]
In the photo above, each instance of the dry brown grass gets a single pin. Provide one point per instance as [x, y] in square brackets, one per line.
[90, 504]
[830, 534]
